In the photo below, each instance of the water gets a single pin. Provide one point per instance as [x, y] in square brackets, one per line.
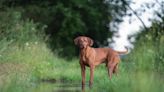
[55, 86]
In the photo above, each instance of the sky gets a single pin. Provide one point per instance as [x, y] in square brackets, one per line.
[126, 29]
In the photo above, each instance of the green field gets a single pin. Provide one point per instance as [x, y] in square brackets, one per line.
[37, 53]
[34, 68]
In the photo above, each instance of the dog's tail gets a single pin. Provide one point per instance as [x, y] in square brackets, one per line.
[123, 52]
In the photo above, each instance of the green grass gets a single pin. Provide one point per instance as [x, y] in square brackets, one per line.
[22, 70]
[25, 61]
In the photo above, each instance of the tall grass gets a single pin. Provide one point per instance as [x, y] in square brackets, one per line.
[39, 63]
[21, 58]
[25, 61]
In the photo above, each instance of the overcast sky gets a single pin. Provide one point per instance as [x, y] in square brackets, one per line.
[126, 29]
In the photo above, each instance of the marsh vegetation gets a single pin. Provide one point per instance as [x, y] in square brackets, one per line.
[37, 52]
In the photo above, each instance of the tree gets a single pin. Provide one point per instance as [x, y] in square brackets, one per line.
[67, 19]
[148, 51]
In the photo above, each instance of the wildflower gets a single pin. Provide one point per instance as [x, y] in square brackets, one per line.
[36, 43]
[33, 28]
[27, 44]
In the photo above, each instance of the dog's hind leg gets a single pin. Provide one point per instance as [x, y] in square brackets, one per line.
[110, 68]
[115, 70]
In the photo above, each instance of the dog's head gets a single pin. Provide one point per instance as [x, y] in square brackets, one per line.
[83, 42]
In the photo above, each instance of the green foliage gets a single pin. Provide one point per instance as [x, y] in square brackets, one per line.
[21, 68]
[66, 20]
[30, 65]
[148, 52]
[26, 60]
[16, 83]
[15, 29]
[76, 18]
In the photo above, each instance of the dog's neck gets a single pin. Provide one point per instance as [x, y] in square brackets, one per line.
[84, 53]
[85, 49]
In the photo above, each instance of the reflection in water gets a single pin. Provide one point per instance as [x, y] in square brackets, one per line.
[54, 86]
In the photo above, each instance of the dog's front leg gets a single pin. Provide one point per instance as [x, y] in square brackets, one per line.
[83, 75]
[91, 76]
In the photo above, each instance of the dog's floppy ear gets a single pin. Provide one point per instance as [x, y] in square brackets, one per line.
[90, 41]
[76, 40]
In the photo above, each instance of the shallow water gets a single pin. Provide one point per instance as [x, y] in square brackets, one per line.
[49, 86]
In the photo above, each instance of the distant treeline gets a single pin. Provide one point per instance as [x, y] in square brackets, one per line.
[62, 20]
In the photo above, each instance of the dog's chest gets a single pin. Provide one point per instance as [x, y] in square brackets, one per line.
[84, 57]
[87, 55]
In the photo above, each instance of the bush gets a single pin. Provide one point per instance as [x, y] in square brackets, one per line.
[13, 28]
[148, 52]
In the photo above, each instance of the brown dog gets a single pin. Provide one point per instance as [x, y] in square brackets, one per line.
[92, 57]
